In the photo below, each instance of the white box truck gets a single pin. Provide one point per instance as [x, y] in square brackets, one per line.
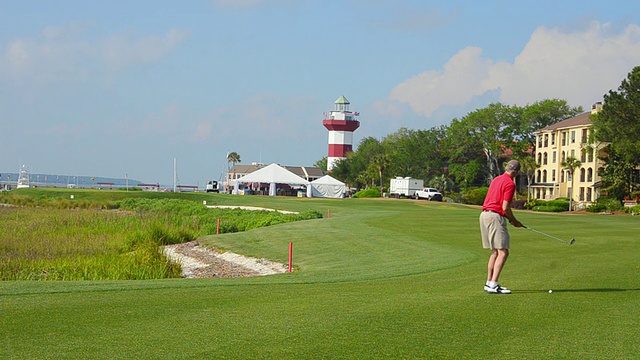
[405, 186]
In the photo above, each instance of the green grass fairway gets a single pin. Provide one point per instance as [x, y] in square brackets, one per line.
[379, 279]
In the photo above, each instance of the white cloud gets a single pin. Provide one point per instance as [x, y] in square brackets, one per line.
[120, 50]
[68, 53]
[578, 66]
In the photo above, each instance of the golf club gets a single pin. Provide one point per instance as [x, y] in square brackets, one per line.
[571, 242]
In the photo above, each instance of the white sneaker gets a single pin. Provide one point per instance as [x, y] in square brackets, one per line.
[496, 290]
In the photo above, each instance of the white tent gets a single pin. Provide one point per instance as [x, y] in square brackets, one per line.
[272, 174]
[326, 186]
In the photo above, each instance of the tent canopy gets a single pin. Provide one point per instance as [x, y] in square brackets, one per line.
[326, 186]
[273, 173]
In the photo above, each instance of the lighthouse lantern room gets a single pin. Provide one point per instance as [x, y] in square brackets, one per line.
[341, 124]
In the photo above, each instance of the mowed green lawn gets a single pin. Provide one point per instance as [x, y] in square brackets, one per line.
[380, 278]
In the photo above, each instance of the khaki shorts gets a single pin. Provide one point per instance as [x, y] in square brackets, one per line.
[493, 228]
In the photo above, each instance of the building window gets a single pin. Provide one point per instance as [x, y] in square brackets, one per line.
[589, 194]
[546, 140]
[590, 175]
[544, 176]
[540, 141]
[564, 138]
[544, 159]
[590, 155]
[539, 176]
[573, 153]
[584, 135]
[553, 157]
[539, 158]
[582, 175]
[581, 194]
[561, 176]
[553, 139]
[553, 175]
[573, 136]
[583, 155]
[563, 156]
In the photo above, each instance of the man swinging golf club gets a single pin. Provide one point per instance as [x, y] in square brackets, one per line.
[493, 225]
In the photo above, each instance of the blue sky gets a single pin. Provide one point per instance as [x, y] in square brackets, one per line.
[107, 88]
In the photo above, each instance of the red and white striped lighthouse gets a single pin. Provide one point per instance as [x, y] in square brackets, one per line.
[341, 124]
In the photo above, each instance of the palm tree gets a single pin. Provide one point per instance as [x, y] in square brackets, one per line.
[233, 158]
[529, 166]
[571, 164]
[380, 162]
[441, 182]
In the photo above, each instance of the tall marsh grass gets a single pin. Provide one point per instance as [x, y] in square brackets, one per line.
[58, 244]
[59, 239]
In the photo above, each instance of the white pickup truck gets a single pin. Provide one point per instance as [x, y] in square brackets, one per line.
[429, 194]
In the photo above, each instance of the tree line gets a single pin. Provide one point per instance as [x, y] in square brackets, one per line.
[470, 151]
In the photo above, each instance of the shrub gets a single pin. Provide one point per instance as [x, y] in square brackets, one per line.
[474, 196]
[531, 204]
[633, 210]
[596, 208]
[605, 204]
[550, 208]
[369, 193]
[557, 205]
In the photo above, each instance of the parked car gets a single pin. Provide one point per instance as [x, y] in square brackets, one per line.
[429, 194]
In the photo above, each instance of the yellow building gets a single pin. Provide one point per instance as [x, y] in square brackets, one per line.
[557, 142]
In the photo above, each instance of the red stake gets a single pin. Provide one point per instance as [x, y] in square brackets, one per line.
[328, 213]
[218, 227]
[290, 255]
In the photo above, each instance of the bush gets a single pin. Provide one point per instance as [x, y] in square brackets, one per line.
[596, 208]
[633, 210]
[369, 193]
[531, 204]
[605, 204]
[557, 205]
[474, 196]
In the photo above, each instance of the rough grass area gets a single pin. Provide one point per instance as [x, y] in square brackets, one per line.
[378, 279]
[41, 240]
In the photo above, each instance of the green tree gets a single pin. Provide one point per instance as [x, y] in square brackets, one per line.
[617, 175]
[360, 161]
[489, 131]
[415, 153]
[619, 124]
[539, 115]
[571, 164]
[322, 164]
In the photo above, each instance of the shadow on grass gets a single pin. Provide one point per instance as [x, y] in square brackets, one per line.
[603, 290]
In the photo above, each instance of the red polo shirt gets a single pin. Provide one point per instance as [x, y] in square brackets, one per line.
[501, 189]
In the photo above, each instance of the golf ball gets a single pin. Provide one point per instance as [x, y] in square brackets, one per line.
[550, 291]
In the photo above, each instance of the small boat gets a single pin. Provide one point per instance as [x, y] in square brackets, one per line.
[23, 178]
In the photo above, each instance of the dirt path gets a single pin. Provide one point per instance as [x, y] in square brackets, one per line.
[207, 262]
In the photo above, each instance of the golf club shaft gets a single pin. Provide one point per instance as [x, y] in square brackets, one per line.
[547, 235]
